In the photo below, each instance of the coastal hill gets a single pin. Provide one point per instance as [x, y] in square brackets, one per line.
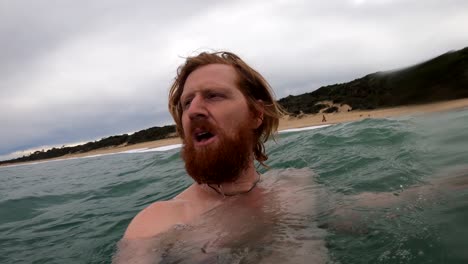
[442, 78]
[150, 134]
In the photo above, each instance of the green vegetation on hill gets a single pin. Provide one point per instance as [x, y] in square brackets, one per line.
[149, 134]
[441, 78]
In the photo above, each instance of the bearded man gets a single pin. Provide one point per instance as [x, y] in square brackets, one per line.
[224, 112]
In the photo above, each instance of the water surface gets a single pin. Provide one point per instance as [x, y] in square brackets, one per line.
[390, 191]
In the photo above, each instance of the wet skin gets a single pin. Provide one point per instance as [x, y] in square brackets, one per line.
[210, 93]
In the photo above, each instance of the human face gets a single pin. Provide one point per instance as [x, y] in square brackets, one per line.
[211, 98]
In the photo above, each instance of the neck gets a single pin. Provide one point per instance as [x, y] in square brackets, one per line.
[244, 184]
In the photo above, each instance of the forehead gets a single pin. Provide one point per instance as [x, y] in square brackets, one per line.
[211, 76]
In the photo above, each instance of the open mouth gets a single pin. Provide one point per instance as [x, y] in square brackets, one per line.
[203, 137]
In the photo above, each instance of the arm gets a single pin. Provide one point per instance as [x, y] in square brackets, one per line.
[155, 219]
[140, 242]
[436, 188]
[350, 216]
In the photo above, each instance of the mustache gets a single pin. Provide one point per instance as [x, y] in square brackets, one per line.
[202, 124]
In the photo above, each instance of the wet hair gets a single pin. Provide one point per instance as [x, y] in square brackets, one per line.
[252, 85]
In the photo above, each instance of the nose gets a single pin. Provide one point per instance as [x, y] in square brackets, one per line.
[197, 108]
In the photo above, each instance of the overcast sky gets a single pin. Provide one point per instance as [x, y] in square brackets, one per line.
[74, 71]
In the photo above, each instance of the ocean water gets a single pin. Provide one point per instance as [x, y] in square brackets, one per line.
[396, 192]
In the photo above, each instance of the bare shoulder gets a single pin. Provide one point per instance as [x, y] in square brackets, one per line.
[156, 218]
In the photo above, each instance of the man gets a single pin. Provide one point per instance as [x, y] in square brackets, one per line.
[224, 112]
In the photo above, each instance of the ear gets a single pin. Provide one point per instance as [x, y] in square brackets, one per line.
[258, 115]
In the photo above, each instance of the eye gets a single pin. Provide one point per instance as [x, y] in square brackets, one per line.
[215, 96]
[186, 103]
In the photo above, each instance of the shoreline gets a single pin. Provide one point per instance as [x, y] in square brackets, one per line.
[286, 122]
[356, 115]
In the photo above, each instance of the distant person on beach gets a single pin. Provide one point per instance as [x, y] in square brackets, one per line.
[324, 119]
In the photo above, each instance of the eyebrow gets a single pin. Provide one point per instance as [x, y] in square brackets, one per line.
[206, 90]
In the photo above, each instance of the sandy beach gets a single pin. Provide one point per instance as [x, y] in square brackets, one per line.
[355, 115]
[288, 122]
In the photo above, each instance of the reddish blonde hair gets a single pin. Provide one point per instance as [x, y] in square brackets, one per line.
[253, 86]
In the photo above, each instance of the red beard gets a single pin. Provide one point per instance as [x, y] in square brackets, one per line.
[221, 161]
